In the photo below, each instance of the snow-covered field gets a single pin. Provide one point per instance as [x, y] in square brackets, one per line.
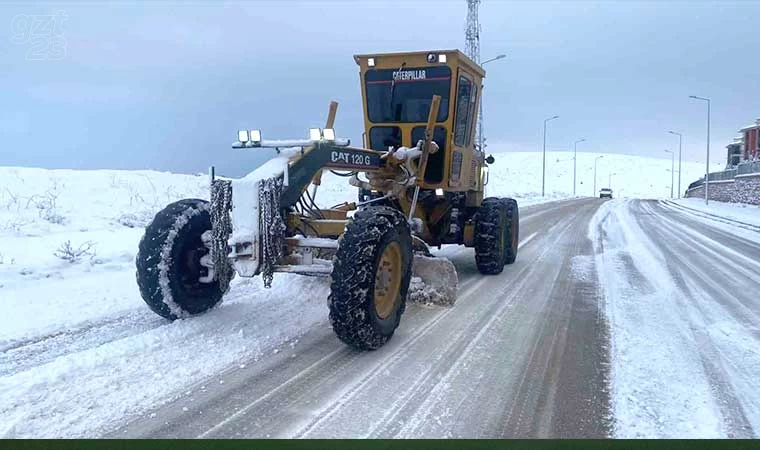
[519, 174]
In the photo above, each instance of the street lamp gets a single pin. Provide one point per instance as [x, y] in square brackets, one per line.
[493, 59]
[707, 163]
[609, 179]
[575, 160]
[680, 142]
[481, 138]
[543, 171]
[672, 170]
[595, 161]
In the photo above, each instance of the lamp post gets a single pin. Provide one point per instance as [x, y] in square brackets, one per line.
[609, 179]
[707, 162]
[575, 161]
[680, 142]
[543, 170]
[672, 170]
[595, 161]
[481, 138]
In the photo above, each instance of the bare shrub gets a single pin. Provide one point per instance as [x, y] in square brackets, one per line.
[67, 252]
[12, 200]
[14, 224]
[46, 205]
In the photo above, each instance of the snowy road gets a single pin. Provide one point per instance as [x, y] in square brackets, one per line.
[682, 293]
[521, 354]
[626, 318]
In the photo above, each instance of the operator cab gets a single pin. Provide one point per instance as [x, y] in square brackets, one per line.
[397, 92]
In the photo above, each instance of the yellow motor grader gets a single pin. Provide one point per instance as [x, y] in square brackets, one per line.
[420, 178]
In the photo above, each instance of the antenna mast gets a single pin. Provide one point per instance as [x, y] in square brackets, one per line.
[472, 34]
[472, 49]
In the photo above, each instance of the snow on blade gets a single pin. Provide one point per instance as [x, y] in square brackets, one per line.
[434, 281]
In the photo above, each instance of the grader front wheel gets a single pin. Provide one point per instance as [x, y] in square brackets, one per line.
[170, 275]
[370, 278]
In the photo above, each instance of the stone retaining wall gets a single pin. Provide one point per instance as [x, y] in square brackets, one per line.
[742, 189]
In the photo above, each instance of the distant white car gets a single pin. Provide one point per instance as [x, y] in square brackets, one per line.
[605, 193]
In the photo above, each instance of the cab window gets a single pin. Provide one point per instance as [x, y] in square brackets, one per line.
[404, 96]
[464, 110]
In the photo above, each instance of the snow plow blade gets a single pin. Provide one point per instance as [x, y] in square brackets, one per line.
[434, 281]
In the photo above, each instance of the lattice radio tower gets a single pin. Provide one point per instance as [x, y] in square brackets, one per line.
[472, 33]
[472, 49]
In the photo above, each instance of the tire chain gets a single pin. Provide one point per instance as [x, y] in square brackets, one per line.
[272, 226]
[221, 230]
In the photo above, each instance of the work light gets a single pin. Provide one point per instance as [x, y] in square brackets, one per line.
[255, 136]
[315, 134]
[243, 136]
[328, 134]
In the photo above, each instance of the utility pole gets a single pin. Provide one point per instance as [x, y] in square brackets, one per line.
[543, 170]
[707, 162]
[680, 142]
[595, 161]
[575, 162]
[672, 170]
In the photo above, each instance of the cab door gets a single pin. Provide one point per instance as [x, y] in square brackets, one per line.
[460, 174]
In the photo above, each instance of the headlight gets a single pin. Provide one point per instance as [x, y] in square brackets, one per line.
[328, 134]
[315, 134]
[243, 136]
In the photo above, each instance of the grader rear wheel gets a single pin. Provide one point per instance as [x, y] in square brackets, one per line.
[491, 236]
[512, 232]
[370, 278]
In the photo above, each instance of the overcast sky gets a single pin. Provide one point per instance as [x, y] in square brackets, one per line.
[166, 85]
